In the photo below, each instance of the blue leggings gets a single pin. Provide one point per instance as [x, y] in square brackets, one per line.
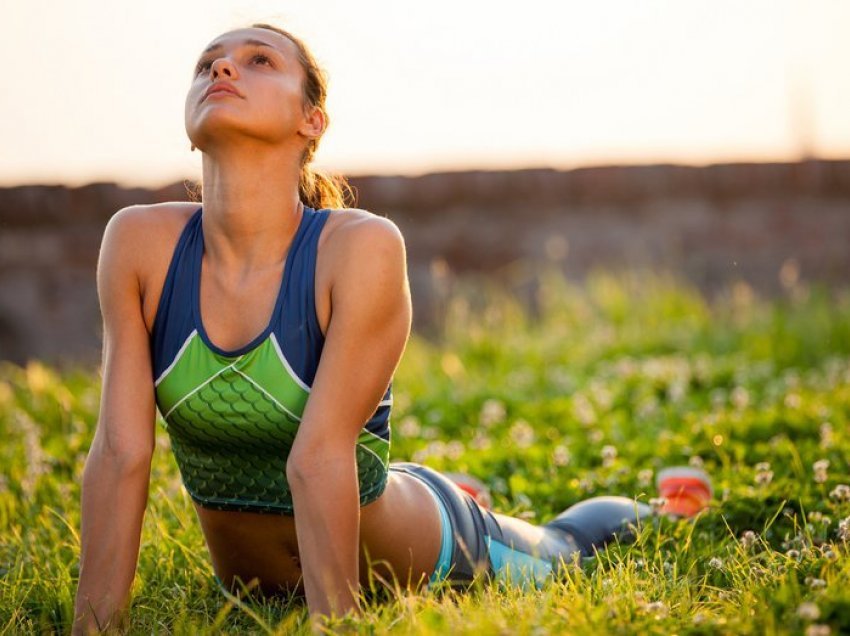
[503, 548]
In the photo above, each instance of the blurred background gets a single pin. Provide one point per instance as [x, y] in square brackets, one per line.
[709, 140]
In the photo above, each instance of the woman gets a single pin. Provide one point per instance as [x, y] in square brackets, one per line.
[266, 325]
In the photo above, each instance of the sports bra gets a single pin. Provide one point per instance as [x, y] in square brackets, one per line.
[232, 416]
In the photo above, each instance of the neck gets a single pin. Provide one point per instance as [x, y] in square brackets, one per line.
[251, 206]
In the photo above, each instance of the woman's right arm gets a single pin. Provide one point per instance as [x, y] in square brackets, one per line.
[117, 470]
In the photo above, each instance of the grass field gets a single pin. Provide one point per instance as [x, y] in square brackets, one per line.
[607, 383]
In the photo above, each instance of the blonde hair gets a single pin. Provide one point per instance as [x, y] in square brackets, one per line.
[316, 189]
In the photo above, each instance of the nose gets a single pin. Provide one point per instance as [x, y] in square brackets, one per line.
[221, 66]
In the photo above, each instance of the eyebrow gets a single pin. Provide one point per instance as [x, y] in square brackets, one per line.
[215, 47]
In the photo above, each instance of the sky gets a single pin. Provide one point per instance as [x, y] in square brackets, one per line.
[95, 90]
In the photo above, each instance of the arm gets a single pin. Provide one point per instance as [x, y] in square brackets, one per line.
[117, 471]
[369, 327]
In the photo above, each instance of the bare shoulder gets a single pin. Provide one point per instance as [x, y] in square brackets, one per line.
[135, 221]
[140, 240]
[355, 229]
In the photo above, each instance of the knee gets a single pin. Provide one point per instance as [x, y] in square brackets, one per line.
[599, 520]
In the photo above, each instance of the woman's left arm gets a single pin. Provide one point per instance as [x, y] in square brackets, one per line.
[368, 329]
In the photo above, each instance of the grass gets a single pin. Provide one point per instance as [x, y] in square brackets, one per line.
[591, 394]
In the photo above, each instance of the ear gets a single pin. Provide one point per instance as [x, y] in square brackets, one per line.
[314, 124]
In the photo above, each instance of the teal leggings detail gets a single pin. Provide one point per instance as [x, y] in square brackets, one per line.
[505, 549]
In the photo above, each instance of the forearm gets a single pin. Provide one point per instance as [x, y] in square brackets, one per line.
[114, 496]
[326, 499]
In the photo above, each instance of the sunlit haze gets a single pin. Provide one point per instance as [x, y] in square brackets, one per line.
[95, 90]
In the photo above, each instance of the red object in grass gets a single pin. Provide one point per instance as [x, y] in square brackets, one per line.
[686, 489]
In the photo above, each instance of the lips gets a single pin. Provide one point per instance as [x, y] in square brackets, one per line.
[221, 87]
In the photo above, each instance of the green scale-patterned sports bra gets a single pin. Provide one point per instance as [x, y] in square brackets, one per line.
[232, 415]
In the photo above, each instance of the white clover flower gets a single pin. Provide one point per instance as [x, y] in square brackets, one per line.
[793, 554]
[844, 529]
[762, 467]
[748, 539]
[820, 465]
[814, 583]
[522, 433]
[455, 450]
[818, 629]
[481, 441]
[696, 461]
[740, 397]
[644, 477]
[840, 493]
[609, 454]
[793, 400]
[492, 412]
[764, 477]
[716, 563]
[561, 455]
[409, 426]
[656, 607]
[583, 410]
[808, 611]
[826, 438]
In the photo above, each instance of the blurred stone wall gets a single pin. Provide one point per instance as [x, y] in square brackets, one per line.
[711, 225]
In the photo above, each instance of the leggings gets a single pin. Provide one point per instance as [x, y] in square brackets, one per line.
[505, 549]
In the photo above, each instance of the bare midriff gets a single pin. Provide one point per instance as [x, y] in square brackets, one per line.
[400, 533]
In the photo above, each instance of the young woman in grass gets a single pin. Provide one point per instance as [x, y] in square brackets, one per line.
[266, 326]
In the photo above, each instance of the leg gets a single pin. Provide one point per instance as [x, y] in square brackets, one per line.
[514, 550]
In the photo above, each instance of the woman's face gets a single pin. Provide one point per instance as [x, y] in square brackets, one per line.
[262, 67]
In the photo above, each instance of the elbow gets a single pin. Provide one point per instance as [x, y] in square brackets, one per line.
[123, 461]
[305, 467]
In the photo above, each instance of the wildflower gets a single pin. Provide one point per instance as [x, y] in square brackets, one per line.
[844, 529]
[808, 611]
[793, 554]
[492, 412]
[748, 539]
[740, 397]
[716, 563]
[522, 434]
[656, 607]
[818, 629]
[561, 455]
[820, 468]
[583, 410]
[829, 554]
[481, 441]
[825, 435]
[840, 493]
[793, 400]
[644, 477]
[455, 450]
[409, 426]
[609, 454]
[696, 461]
[763, 474]
[814, 583]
